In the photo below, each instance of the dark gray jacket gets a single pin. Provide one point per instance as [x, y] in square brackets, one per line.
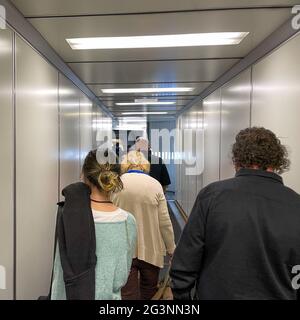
[241, 241]
[77, 242]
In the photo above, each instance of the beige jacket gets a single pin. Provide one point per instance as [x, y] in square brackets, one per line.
[143, 196]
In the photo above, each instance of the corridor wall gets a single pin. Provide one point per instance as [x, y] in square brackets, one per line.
[276, 101]
[69, 99]
[189, 160]
[7, 166]
[36, 169]
[46, 129]
[212, 131]
[267, 94]
[166, 154]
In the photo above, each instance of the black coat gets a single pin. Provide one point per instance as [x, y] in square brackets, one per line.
[77, 242]
[241, 241]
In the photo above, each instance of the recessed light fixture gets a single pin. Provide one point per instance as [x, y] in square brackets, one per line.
[158, 41]
[146, 90]
[133, 113]
[144, 103]
[132, 120]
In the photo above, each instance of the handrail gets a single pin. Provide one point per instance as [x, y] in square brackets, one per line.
[182, 212]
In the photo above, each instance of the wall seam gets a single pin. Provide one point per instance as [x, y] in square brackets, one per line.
[58, 132]
[14, 169]
[251, 95]
[220, 134]
[79, 130]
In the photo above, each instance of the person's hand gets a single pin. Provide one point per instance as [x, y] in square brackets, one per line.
[170, 255]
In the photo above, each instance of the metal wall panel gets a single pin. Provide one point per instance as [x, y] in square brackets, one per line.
[192, 176]
[211, 112]
[235, 115]
[276, 96]
[184, 166]
[269, 96]
[86, 134]
[190, 173]
[69, 132]
[178, 167]
[6, 168]
[200, 145]
[166, 156]
[36, 170]
[94, 125]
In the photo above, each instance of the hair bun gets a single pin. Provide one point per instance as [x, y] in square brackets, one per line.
[109, 181]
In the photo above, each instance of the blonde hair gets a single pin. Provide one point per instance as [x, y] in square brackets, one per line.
[135, 160]
[106, 176]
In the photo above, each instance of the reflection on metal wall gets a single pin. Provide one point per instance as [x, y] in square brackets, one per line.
[189, 147]
[36, 169]
[48, 142]
[212, 118]
[86, 140]
[6, 167]
[275, 105]
[235, 115]
[270, 96]
[166, 152]
[69, 132]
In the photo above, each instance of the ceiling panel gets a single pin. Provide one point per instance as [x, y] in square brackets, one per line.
[195, 67]
[75, 7]
[56, 30]
[152, 71]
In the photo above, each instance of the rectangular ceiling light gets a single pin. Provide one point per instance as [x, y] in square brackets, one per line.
[158, 41]
[146, 90]
[144, 103]
[134, 113]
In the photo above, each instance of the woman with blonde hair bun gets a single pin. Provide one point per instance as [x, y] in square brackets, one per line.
[143, 196]
[96, 239]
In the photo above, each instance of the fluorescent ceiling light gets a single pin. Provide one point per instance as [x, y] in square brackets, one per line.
[158, 41]
[146, 90]
[133, 113]
[145, 100]
[131, 121]
[144, 103]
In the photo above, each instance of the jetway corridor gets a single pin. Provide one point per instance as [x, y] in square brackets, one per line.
[173, 81]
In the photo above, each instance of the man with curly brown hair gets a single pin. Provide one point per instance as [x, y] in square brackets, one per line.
[242, 239]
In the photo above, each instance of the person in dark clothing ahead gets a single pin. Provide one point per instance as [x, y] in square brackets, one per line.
[242, 238]
[158, 169]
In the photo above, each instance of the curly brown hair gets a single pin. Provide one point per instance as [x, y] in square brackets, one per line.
[259, 147]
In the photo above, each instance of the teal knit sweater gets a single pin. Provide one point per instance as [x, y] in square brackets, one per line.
[115, 247]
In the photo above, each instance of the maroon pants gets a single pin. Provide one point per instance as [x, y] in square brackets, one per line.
[142, 281]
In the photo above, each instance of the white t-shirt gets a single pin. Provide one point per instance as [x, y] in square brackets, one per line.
[112, 216]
